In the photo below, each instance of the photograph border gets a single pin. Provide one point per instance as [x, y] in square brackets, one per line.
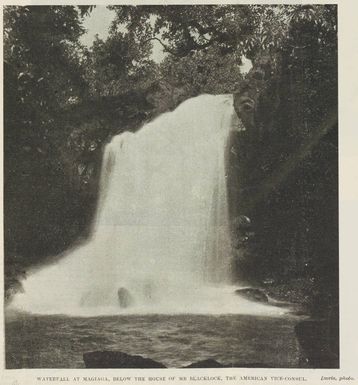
[348, 214]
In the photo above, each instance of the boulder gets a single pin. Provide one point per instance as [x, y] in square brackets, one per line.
[125, 298]
[252, 294]
[117, 359]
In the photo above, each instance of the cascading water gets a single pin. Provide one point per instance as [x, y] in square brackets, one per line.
[161, 240]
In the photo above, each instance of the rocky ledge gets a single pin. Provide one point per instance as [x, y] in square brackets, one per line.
[116, 359]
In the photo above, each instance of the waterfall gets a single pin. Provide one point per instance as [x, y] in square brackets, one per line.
[160, 240]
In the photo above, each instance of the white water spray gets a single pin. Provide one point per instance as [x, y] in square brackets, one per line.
[161, 239]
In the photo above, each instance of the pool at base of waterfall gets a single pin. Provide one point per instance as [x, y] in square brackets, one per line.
[54, 341]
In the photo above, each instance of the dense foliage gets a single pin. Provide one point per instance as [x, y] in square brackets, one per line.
[288, 162]
[63, 101]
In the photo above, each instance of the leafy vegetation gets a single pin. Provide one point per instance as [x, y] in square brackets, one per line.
[63, 101]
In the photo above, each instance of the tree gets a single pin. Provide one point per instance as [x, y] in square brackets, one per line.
[288, 160]
[42, 75]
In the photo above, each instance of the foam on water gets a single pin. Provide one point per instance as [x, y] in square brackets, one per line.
[161, 231]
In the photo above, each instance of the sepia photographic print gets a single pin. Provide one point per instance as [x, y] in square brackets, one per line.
[171, 187]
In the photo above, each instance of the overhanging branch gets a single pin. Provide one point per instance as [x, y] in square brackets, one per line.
[166, 48]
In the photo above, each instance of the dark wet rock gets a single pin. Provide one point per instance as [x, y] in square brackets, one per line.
[298, 312]
[251, 294]
[117, 359]
[243, 223]
[282, 304]
[124, 297]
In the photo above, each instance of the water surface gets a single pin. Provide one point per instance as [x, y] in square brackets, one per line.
[175, 340]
